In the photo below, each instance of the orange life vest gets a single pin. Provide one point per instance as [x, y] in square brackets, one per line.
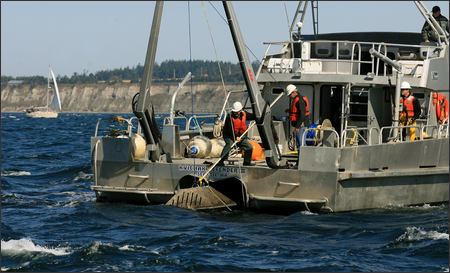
[239, 124]
[441, 104]
[408, 104]
[293, 112]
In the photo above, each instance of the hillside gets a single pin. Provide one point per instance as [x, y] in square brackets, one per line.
[104, 97]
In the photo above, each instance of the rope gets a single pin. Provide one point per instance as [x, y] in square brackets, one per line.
[190, 62]
[354, 137]
[287, 17]
[217, 129]
[254, 56]
[220, 199]
[214, 46]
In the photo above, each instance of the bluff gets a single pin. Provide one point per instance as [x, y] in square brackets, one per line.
[116, 98]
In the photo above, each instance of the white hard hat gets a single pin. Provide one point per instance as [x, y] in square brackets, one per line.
[405, 85]
[237, 106]
[290, 88]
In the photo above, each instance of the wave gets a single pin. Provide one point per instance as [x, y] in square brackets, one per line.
[97, 247]
[15, 173]
[305, 212]
[25, 245]
[131, 248]
[83, 176]
[417, 234]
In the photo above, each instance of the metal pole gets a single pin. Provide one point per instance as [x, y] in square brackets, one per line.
[398, 83]
[172, 103]
[397, 102]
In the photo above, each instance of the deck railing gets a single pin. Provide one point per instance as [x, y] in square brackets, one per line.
[287, 61]
[317, 131]
[441, 129]
[357, 136]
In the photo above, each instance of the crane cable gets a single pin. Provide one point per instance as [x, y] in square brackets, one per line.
[205, 14]
[249, 49]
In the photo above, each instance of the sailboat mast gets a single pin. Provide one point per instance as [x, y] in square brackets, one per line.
[48, 86]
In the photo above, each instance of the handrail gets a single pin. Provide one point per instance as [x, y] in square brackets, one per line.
[375, 64]
[320, 129]
[358, 129]
[129, 126]
[436, 127]
[359, 57]
[441, 128]
[347, 41]
[96, 127]
[401, 131]
[223, 111]
[195, 118]
[168, 119]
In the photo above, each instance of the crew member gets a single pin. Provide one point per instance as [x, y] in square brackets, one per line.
[411, 110]
[299, 112]
[235, 125]
[428, 34]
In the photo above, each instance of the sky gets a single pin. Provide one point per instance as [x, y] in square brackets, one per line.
[75, 36]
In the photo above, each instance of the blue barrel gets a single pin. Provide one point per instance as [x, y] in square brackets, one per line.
[310, 135]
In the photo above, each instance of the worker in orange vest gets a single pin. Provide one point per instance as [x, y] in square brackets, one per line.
[299, 112]
[411, 110]
[235, 125]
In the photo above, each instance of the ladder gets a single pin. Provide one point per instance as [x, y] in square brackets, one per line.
[315, 17]
[356, 107]
[301, 8]
[443, 36]
[301, 11]
[354, 99]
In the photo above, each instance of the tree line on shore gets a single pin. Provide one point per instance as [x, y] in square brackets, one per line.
[167, 71]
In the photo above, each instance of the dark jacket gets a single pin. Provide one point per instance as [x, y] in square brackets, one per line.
[301, 105]
[427, 30]
[417, 108]
[228, 126]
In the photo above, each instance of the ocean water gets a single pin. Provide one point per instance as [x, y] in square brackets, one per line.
[51, 221]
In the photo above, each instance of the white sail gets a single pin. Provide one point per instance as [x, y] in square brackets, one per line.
[55, 105]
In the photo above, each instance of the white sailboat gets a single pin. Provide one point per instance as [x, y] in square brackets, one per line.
[51, 109]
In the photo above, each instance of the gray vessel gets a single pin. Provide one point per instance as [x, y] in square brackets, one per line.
[357, 159]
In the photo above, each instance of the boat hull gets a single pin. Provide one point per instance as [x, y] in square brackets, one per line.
[336, 184]
[42, 114]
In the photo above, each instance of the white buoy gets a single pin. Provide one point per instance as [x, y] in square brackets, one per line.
[217, 147]
[138, 143]
[199, 147]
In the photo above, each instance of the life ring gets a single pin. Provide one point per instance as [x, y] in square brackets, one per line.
[441, 104]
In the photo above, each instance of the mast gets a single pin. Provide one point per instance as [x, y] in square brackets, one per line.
[260, 107]
[48, 87]
[141, 102]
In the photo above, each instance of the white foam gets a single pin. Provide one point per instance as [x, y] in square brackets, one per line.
[83, 176]
[305, 212]
[15, 173]
[96, 246]
[131, 247]
[25, 245]
[417, 234]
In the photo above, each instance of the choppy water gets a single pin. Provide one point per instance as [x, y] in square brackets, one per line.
[51, 222]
